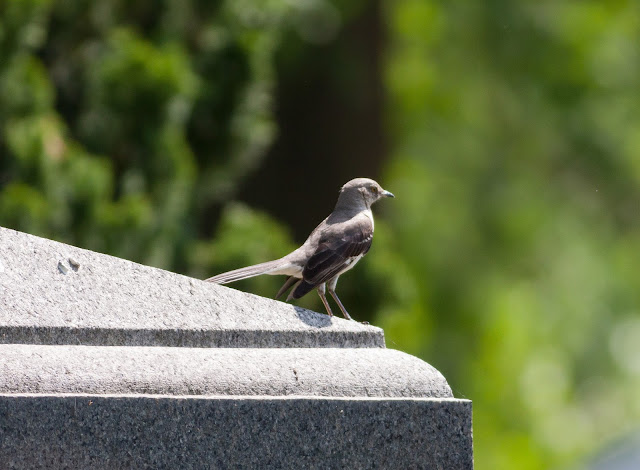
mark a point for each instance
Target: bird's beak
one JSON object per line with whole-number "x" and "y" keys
{"x": 386, "y": 193}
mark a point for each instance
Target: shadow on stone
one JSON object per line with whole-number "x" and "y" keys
{"x": 311, "y": 318}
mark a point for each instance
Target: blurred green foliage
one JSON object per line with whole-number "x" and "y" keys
{"x": 508, "y": 259}
{"x": 122, "y": 125}
{"x": 516, "y": 170}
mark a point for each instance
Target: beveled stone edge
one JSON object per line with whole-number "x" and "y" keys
{"x": 189, "y": 338}
{"x": 339, "y": 372}
{"x": 444, "y": 400}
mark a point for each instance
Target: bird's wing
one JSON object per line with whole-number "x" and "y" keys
{"x": 334, "y": 254}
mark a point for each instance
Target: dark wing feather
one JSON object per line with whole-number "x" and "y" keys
{"x": 333, "y": 255}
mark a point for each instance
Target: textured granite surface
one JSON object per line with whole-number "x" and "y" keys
{"x": 107, "y": 364}
{"x": 97, "y": 432}
{"x": 337, "y": 372}
{"x": 52, "y": 293}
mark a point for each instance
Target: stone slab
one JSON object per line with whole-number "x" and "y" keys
{"x": 91, "y": 376}
{"x": 337, "y": 372}
{"x": 102, "y": 432}
{"x": 52, "y": 293}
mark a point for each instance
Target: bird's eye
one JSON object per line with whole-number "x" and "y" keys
{"x": 373, "y": 189}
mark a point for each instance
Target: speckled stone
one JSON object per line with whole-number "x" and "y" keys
{"x": 336, "y": 372}
{"x": 107, "y": 364}
{"x": 52, "y": 293}
{"x": 94, "y": 432}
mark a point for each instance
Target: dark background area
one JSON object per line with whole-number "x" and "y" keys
{"x": 330, "y": 119}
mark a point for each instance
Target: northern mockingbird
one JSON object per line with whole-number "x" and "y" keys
{"x": 334, "y": 246}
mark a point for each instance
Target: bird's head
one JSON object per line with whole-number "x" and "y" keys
{"x": 364, "y": 188}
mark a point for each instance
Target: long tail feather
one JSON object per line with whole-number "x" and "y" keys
{"x": 289, "y": 282}
{"x": 250, "y": 271}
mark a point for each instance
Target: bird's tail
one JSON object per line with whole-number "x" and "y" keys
{"x": 302, "y": 288}
{"x": 270, "y": 267}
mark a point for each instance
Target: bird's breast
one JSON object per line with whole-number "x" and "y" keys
{"x": 369, "y": 215}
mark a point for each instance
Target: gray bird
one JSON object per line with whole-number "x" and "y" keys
{"x": 334, "y": 246}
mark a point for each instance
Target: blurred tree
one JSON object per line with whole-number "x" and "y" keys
{"x": 330, "y": 103}
{"x": 127, "y": 128}
{"x": 123, "y": 127}
{"x": 515, "y": 135}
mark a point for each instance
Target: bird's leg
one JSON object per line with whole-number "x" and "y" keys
{"x": 324, "y": 299}
{"x": 332, "y": 291}
{"x": 344, "y": 310}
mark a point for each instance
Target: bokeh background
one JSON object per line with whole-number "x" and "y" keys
{"x": 201, "y": 136}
